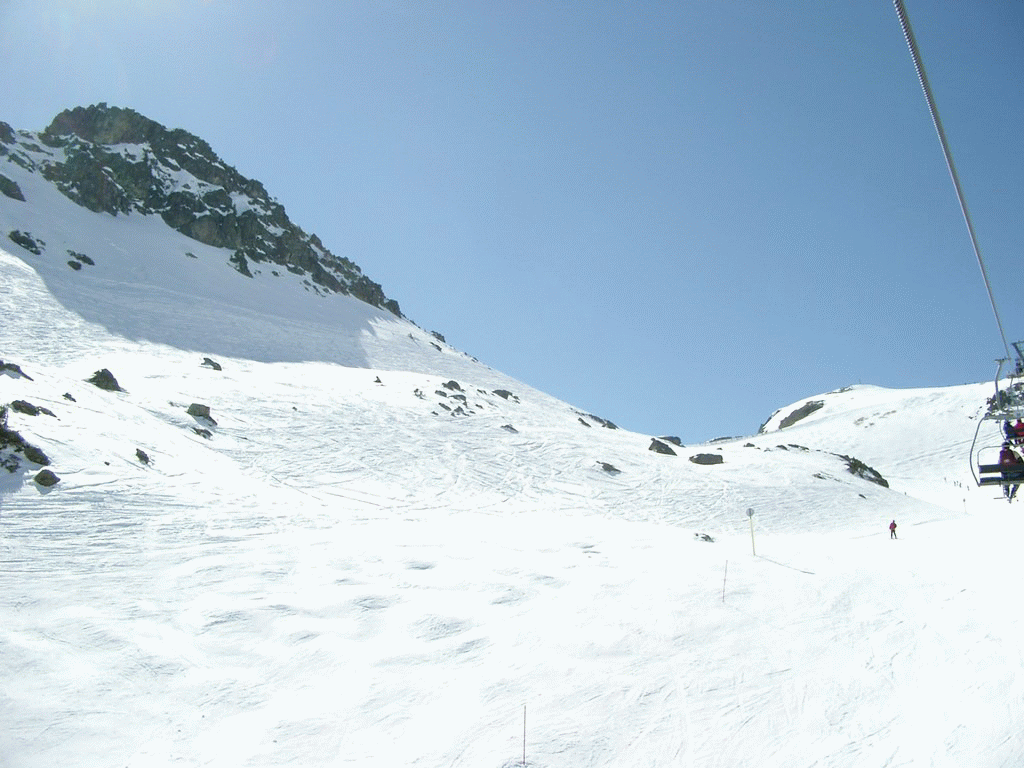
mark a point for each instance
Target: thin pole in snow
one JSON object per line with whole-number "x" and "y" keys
{"x": 724, "y": 578}
{"x": 524, "y": 736}
{"x": 753, "y": 547}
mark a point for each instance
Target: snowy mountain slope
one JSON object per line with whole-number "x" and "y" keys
{"x": 191, "y": 297}
{"x": 343, "y": 422}
{"x": 347, "y": 569}
{"x": 919, "y": 439}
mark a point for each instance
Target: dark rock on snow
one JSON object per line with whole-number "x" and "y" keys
{"x": 23, "y": 406}
{"x": 802, "y": 412}
{"x": 862, "y": 470}
{"x": 707, "y": 458}
{"x": 46, "y": 478}
{"x": 104, "y": 379}
{"x": 659, "y": 447}
{"x": 26, "y": 241}
{"x": 12, "y": 442}
{"x": 11, "y": 189}
{"x": 13, "y": 370}
{"x": 200, "y": 411}
{"x": 603, "y": 422}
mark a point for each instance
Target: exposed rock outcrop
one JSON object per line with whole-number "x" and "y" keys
{"x": 802, "y": 412}
{"x": 863, "y": 471}
{"x": 13, "y": 370}
{"x": 201, "y": 412}
{"x": 23, "y": 406}
{"x": 27, "y": 241}
{"x": 597, "y": 419}
{"x": 13, "y": 446}
{"x": 11, "y": 189}
{"x": 46, "y": 478}
{"x": 117, "y": 161}
{"x": 659, "y": 447}
{"x": 707, "y": 459}
{"x": 104, "y": 379}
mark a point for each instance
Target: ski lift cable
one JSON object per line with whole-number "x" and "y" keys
{"x": 908, "y": 33}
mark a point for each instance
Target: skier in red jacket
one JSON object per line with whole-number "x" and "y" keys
{"x": 892, "y": 530}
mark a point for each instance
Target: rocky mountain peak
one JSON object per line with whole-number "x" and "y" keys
{"x": 101, "y": 124}
{"x": 117, "y": 161}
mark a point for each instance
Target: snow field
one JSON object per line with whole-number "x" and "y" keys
{"x": 246, "y": 641}
{"x": 343, "y": 573}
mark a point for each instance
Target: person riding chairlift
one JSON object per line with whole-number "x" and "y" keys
{"x": 1013, "y": 469}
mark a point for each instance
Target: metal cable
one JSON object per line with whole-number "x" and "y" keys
{"x": 919, "y": 66}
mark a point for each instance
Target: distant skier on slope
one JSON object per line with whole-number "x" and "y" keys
{"x": 892, "y": 530}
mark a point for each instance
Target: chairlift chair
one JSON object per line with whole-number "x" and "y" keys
{"x": 1006, "y": 405}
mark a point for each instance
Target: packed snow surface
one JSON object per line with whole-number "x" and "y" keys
{"x": 380, "y": 552}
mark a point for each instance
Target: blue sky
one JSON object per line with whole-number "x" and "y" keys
{"x": 677, "y": 216}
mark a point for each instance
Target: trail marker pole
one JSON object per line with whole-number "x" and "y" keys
{"x": 724, "y": 578}
{"x": 524, "y": 736}
{"x": 753, "y": 546}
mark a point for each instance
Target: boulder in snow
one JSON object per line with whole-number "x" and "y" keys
{"x": 200, "y": 411}
{"x": 707, "y": 458}
{"x": 659, "y": 447}
{"x": 104, "y": 379}
{"x": 46, "y": 478}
